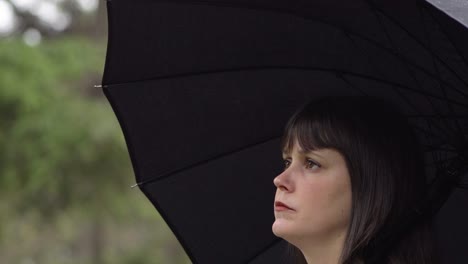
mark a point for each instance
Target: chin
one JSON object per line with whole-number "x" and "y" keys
{"x": 281, "y": 228}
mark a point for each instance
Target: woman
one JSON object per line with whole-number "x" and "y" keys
{"x": 354, "y": 172}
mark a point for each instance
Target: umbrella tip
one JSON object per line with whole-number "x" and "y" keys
{"x": 135, "y": 185}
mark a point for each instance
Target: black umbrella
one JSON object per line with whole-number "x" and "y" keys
{"x": 203, "y": 89}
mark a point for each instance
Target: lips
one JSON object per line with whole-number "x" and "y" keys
{"x": 279, "y": 206}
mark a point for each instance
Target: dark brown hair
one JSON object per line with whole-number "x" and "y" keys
{"x": 386, "y": 166}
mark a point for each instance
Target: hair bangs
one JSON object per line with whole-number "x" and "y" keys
{"x": 309, "y": 133}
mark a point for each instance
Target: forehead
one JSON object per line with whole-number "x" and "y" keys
{"x": 297, "y": 148}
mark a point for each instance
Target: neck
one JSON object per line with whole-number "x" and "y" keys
{"x": 325, "y": 251}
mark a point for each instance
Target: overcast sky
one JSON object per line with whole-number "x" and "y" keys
{"x": 50, "y": 14}
{"x": 47, "y": 10}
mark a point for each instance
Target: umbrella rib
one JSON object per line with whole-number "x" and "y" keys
{"x": 401, "y": 86}
{"x": 435, "y": 154}
{"x": 426, "y": 119}
{"x": 450, "y": 107}
{"x": 401, "y": 57}
{"x": 305, "y": 17}
{"x": 464, "y": 59}
{"x": 418, "y": 41}
{"x": 418, "y": 83}
{"x": 406, "y": 99}
{"x": 424, "y": 131}
{"x": 168, "y": 174}
{"x": 380, "y": 23}
{"x": 392, "y": 43}
{"x": 290, "y": 12}
{"x": 351, "y": 85}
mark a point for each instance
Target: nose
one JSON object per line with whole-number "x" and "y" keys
{"x": 283, "y": 181}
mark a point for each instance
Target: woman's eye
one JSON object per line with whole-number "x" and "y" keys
{"x": 311, "y": 163}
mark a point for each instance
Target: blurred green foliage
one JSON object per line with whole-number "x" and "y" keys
{"x": 56, "y": 143}
{"x": 65, "y": 171}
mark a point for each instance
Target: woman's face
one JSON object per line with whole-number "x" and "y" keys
{"x": 317, "y": 188}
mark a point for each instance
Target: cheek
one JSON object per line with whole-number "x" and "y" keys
{"x": 328, "y": 202}
{"x": 319, "y": 197}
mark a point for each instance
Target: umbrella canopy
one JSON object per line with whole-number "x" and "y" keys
{"x": 203, "y": 89}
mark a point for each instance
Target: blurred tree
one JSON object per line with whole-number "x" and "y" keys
{"x": 33, "y": 97}
{"x": 62, "y": 157}
{"x": 64, "y": 164}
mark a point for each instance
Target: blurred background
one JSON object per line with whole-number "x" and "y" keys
{"x": 65, "y": 173}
